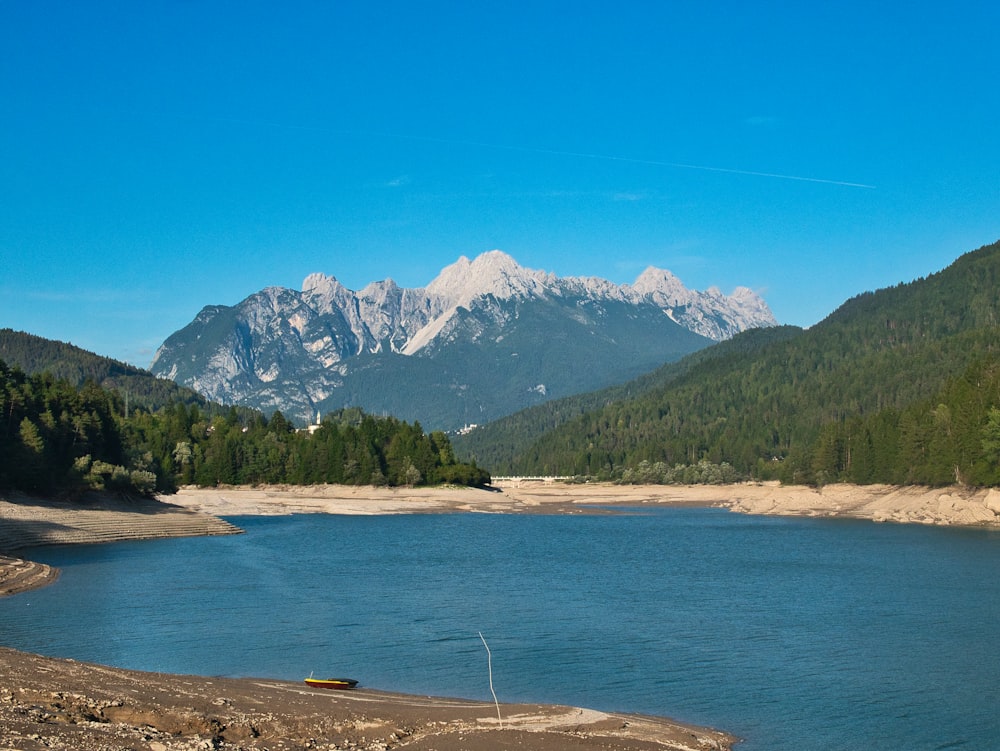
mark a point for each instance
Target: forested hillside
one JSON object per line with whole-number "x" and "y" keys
{"x": 56, "y": 438}
{"x": 498, "y": 444}
{"x": 35, "y": 354}
{"x": 896, "y": 386}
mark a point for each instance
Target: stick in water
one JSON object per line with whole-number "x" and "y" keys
{"x": 489, "y": 662}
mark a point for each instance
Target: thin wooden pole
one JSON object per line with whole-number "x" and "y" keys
{"x": 489, "y": 662}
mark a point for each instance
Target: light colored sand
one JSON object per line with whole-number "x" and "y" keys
{"x": 881, "y": 503}
{"x": 334, "y": 499}
{"x": 912, "y": 504}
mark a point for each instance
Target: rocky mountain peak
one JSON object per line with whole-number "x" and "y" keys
{"x": 662, "y": 286}
{"x": 491, "y": 273}
{"x": 317, "y": 280}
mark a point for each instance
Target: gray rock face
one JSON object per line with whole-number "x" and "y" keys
{"x": 420, "y": 353}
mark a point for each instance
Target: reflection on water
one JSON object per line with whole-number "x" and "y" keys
{"x": 795, "y": 634}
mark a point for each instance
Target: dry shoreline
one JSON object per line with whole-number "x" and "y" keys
{"x": 881, "y": 503}
{"x": 52, "y": 703}
{"x": 64, "y": 705}
{"x": 61, "y": 704}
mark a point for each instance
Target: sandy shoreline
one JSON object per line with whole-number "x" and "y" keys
{"x": 51, "y": 703}
{"x": 198, "y": 511}
{"x": 880, "y": 503}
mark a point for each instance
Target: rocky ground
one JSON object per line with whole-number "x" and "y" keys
{"x": 61, "y": 705}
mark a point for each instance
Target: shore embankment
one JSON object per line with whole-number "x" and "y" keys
{"x": 31, "y": 522}
{"x": 26, "y": 522}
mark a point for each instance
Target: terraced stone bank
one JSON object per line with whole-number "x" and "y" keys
{"x": 27, "y": 523}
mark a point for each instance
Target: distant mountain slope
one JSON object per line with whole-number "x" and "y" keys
{"x": 499, "y": 444}
{"x": 766, "y": 411}
{"x": 485, "y": 338}
{"x": 35, "y": 354}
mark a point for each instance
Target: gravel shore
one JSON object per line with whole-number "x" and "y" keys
{"x": 63, "y": 705}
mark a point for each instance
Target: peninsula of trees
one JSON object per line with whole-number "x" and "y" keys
{"x": 57, "y": 437}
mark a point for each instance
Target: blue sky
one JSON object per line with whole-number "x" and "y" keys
{"x": 156, "y": 157}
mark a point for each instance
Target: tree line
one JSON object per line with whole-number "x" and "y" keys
{"x": 56, "y": 437}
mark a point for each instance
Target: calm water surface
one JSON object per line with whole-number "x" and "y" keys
{"x": 793, "y": 634}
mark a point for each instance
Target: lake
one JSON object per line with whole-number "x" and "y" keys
{"x": 791, "y": 633}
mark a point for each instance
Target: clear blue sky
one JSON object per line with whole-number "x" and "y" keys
{"x": 156, "y": 157}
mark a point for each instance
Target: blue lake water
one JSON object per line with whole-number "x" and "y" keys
{"x": 791, "y": 633}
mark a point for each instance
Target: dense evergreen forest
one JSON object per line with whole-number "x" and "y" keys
{"x": 896, "y": 386}
{"x": 500, "y": 443}
{"x": 56, "y": 437}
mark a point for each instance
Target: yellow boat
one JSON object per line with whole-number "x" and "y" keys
{"x": 341, "y": 683}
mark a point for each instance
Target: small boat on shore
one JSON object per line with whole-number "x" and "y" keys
{"x": 338, "y": 683}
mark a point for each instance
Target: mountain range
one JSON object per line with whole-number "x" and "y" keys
{"x": 485, "y": 338}
{"x": 898, "y": 386}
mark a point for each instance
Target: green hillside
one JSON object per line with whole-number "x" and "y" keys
{"x": 895, "y": 386}
{"x": 498, "y": 444}
{"x": 34, "y": 354}
{"x": 74, "y": 422}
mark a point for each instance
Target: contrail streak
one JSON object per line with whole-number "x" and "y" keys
{"x": 633, "y": 160}
{"x": 534, "y": 150}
